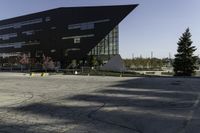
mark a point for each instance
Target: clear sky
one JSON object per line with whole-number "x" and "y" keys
{"x": 154, "y": 26}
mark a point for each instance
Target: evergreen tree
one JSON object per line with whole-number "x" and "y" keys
{"x": 184, "y": 63}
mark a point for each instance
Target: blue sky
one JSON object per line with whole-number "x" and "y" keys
{"x": 155, "y": 26}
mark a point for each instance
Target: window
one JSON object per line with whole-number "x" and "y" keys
{"x": 10, "y": 54}
{"x": 14, "y": 45}
{"x": 82, "y": 26}
{"x": 8, "y": 36}
{"x": 66, "y": 51}
{"x": 47, "y": 19}
{"x": 20, "y": 24}
{"x": 74, "y": 26}
{"x": 18, "y": 44}
{"x": 73, "y": 49}
{"x": 87, "y": 25}
{"x": 77, "y": 40}
{"x": 36, "y": 42}
{"x": 28, "y": 33}
{"x": 53, "y": 28}
{"x": 53, "y": 51}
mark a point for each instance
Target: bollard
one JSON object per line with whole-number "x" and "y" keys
{"x": 43, "y": 74}
{"x": 31, "y": 74}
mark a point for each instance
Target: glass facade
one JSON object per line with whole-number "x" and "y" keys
{"x": 108, "y": 47}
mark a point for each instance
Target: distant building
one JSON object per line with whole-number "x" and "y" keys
{"x": 64, "y": 35}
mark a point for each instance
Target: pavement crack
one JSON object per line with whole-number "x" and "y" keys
{"x": 92, "y": 113}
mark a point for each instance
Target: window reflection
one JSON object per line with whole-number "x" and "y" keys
{"x": 20, "y": 24}
{"x": 8, "y": 36}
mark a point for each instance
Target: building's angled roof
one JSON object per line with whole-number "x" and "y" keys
{"x": 131, "y": 6}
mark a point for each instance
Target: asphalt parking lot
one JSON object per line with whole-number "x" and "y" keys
{"x": 88, "y": 104}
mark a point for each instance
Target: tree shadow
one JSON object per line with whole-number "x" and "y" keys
{"x": 25, "y": 128}
{"x": 134, "y": 105}
{"x": 155, "y": 83}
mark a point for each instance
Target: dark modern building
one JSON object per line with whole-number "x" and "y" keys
{"x": 63, "y": 35}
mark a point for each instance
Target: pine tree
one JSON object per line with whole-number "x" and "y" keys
{"x": 184, "y": 63}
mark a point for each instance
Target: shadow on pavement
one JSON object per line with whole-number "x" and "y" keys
{"x": 140, "y": 105}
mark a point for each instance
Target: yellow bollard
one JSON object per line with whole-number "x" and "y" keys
{"x": 42, "y": 74}
{"x": 31, "y": 74}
